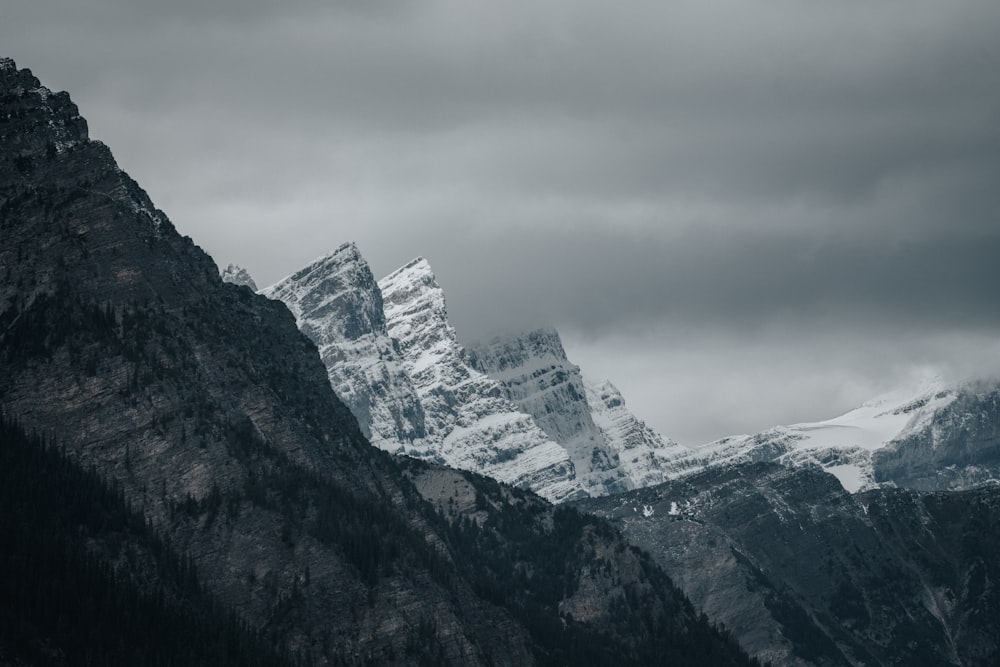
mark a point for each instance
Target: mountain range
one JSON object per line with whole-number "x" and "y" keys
{"x": 321, "y": 473}
{"x": 740, "y": 522}
{"x": 796, "y": 538}
{"x": 514, "y": 408}
{"x": 551, "y": 430}
{"x": 202, "y": 408}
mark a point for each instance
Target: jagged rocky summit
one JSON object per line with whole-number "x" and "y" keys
{"x": 337, "y": 304}
{"x": 394, "y": 359}
{"x": 514, "y": 408}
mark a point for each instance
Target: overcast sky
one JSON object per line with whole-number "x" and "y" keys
{"x": 743, "y": 212}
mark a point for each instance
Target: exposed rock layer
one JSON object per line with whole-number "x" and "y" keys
{"x": 534, "y": 372}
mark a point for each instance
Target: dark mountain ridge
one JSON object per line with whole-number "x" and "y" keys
{"x": 804, "y": 573}
{"x": 213, "y": 415}
{"x": 85, "y": 580}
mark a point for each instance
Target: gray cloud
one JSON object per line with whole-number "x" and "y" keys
{"x": 740, "y": 177}
{"x": 602, "y": 282}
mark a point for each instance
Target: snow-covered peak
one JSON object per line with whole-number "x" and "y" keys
{"x": 417, "y": 315}
{"x": 237, "y": 275}
{"x": 394, "y": 359}
{"x": 322, "y": 268}
{"x": 338, "y": 305}
{"x": 413, "y": 279}
{"x": 335, "y": 298}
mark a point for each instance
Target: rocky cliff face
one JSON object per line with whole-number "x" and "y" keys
{"x": 644, "y": 455}
{"x": 338, "y": 305}
{"x": 214, "y": 417}
{"x": 470, "y": 422}
{"x": 611, "y": 448}
{"x": 804, "y": 573}
{"x": 534, "y": 372}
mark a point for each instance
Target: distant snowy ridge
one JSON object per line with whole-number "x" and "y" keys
{"x": 842, "y": 446}
{"x": 935, "y": 436}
